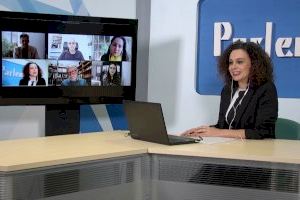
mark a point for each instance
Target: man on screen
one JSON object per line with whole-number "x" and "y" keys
{"x": 73, "y": 79}
{"x": 71, "y": 51}
{"x": 26, "y": 50}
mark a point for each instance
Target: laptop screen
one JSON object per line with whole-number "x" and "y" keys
{"x": 146, "y": 121}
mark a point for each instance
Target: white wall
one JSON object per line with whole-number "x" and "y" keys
{"x": 29, "y": 121}
{"x": 112, "y": 8}
{"x": 21, "y": 121}
{"x": 171, "y": 75}
{"x": 172, "y": 67}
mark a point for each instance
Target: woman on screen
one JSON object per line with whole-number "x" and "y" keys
{"x": 32, "y": 75}
{"x": 249, "y": 104}
{"x": 111, "y": 77}
{"x": 117, "y": 50}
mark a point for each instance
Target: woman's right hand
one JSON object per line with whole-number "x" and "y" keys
{"x": 190, "y": 132}
{"x": 104, "y": 76}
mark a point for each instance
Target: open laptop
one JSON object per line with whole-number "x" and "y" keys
{"x": 146, "y": 122}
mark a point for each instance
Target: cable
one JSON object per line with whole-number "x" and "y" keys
{"x": 232, "y": 101}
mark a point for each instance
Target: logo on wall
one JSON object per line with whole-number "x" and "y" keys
{"x": 273, "y": 25}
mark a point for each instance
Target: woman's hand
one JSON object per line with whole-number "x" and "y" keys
{"x": 203, "y": 131}
{"x": 104, "y": 77}
{"x": 207, "y": 131}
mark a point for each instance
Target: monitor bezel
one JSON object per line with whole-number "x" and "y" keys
{"x": 68, "y": 24}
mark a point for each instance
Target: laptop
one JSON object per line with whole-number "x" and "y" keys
{"x": 146, "y": 122}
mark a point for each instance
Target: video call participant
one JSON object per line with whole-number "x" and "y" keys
{"x": 32, "y": 75}
{"x": 116, "y": 51}
{"x": 73, "y": 79}
{"x": 25, "y": 51}
{"x": 72, "y": 52}
{"x": 249, "y": 103}
{"x": 111, "y": 77}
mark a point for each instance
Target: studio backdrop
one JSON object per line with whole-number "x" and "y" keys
{"x": 275, "y": 25}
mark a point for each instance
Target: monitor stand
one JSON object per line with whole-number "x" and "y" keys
{"x": 62, "y": 119}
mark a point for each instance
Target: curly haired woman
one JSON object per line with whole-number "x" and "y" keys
{"x": 32, "y": 75}
{"x": 249, "y": 103}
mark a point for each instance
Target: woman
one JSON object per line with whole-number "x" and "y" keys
{"x": 249, "y": 104}
{"x": 112, "y": 77}
{"x": 32, "y": 75}
{"x": 116, "y": 50}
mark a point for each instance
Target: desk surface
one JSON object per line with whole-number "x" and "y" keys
{"x": 48, "y": 151}
{"x": 55, "y": 150}
{"x": 269, "y": 150}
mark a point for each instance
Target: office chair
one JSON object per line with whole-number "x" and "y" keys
{"x": 287, "y": 129}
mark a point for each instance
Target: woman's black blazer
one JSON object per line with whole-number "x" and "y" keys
{"x": 24, "y": 81}
{"x": 257, "y": 113}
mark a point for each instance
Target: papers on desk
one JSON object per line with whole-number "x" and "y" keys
{"x": 216, "y": 140}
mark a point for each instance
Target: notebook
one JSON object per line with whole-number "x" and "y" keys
{"x": 146, "y": 122}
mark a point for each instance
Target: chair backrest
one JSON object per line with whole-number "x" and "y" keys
{"x": 287, "y": 129}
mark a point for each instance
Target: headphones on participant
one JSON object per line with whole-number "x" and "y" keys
{"x": 233, "y": 98}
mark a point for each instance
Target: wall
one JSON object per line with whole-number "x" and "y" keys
{"x": 171, "y": 60}
{"x": 29, "y": 121}
{"x": 172, "y": 75}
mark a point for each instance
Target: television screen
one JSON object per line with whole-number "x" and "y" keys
{"x": 50, "y": 59}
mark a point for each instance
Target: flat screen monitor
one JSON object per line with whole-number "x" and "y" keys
{"x": 55, "y": 59}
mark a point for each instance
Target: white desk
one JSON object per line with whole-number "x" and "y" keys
{"x": 140, "y": 170}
